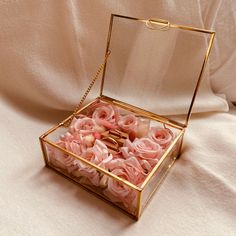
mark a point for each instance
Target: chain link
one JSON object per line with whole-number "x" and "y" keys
{"x": 77, "y": 108}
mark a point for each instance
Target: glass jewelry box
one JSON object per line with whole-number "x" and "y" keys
{"x": 121, "y": 145}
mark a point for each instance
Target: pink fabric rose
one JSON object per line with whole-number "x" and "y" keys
{"x": 72, "y": 143}
{"x": 131, "y": 166}
{"x": 89, "y": 175}
{"x": 135, "y": 127}
{"x": 84, "y": 125}
{"x": 98, "y": 155}
{"x": 75, "y": 147}
{"x": 129, "y": 170}
{"x": 60, "y": 159}
{"x": 69, "y": 137}
{"x": 85, "y": 130}
{"x": 129, "y": 124}
{"x": 145, "y": 150}
{"x": 106, "y": 116}
{"x": 161, "y": 136}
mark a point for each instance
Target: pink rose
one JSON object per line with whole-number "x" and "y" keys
{"x": 98, "y": 155}
{"x": 84, "y": 126}
{"x": 89, "y": 175}
{"x": 85, "y": 130}
{"x": 60, "y": 159}
{"x": 161, "y": 136}
{"x": 74, "y": 142}
{"x": 86, "y": 140}
{"x": 129, "y": 170}
{"x": 75, "y": 147}
{"x": 106, "y": 116}
{"x": 135, "y": 127}
{"x": 145, "y": 150}
{"x": 69, "y": 137}
{"x": 128, "y": 123}
{"x": 131, "y": 166}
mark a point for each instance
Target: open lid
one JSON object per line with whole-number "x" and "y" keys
{"x": 155, "y": 65}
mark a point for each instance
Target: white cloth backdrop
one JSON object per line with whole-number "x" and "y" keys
{"x": 49, "y": 50}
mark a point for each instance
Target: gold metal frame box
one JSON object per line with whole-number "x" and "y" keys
{"x": 146, "y": 77}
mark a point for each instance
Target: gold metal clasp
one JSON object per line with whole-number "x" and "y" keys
{"x": 157, "y": 24}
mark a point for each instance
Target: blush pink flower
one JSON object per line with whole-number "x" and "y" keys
{"x": 128, "y": 123}
{"x": 161, "y": 136}
{"x": 129, "y": 170}
{"x": 131, "y": 166}
{"x": 60, "y": 159}
{"x": 75, "y": 147}
{"x": 67, "y": 137}
{"x": 84, "y": 130}
{"x": 106, "y": 116}
{"x": 88, "y": 175}
{"x": 145, "y": 150}
{"x": 73, "y": 143}
{"x": 98, "y": 155}
{"x": 84, "y": 126}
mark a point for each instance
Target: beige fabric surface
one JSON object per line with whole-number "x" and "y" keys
{"x": 49, "y": 51}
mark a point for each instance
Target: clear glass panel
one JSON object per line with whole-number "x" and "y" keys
{"x": 154, "y": 69}
{"x": 158, "y": 176}
{"x": 91, "y": 178}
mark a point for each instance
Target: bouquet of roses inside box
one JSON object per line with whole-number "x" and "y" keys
{"x": 119, "y": 142}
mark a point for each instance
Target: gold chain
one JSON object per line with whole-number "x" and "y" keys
{"x": 77, "y": 108}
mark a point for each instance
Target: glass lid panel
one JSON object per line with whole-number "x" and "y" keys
{"x": 153, "y": 66}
